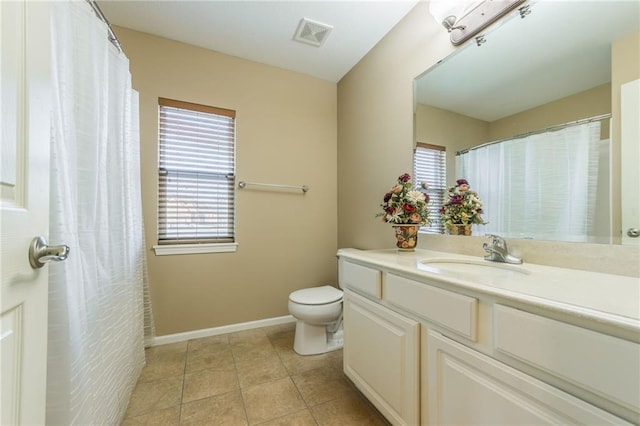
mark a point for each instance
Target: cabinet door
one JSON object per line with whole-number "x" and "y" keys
{"x": 466, "y": 387}
{"x": 381, "y": 357}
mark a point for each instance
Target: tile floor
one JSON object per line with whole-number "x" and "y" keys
{"x": 246, "y": 378}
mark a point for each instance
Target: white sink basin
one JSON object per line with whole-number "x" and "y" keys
{"x": 455, "y": 266}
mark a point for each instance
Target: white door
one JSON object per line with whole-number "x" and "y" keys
{"x": 630, "y": 164}
{"x": 24, "y": 207}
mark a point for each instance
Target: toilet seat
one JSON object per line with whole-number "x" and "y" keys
{"x": 316, "y": 295}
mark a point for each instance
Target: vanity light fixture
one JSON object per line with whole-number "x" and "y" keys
{"x": 462, "y": 26}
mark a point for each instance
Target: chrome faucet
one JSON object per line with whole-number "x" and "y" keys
{"x": 498, "y": 252}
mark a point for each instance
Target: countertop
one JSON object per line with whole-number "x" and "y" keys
{"x": 605, "y": 298}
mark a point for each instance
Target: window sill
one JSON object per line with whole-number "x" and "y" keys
{"x": 167, "y": 250}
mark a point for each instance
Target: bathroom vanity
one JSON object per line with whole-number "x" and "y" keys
{"x": 437, "y": 338}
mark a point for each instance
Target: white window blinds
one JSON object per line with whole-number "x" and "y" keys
{"x": 196, "y": 173}
{"x": 429, "y": 166}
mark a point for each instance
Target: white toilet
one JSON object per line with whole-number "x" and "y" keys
{"x": 319, "y": 314}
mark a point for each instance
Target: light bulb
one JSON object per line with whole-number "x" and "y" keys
{"x": 447, "y": 12}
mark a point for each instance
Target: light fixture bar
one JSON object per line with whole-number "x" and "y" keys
{"x": 480, "y": 18}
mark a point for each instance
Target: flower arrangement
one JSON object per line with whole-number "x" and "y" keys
{"x": 463, "y": 206}
{"x": 404, "y": 204}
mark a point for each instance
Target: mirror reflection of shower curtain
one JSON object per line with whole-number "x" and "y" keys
{"x": 543, "y": 186}
{"x": 96, "y": 330}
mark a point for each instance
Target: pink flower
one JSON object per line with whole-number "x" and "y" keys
{"x": 456, "y": 199}
{"x": 404, "y": 178}
{"x": 397, "y": 189}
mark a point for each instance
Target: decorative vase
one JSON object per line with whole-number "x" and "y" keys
{"x": 460, "y": 230}
{"x": 406, "y": 236}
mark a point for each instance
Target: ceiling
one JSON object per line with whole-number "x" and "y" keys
{"x": 263, "y": 31}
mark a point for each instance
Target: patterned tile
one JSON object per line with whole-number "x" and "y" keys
{"x": 224, "y": 409}
{"x": 350, "y": 410}
{"x": 301, "y": 418}
{"x": 322, "y": 385}
{"x": 166, "y": 417}
{"x": 209, "y": 357}
{"x": 271, "y": 400}
{"x": 161, "y": 364}
{"x": 155, "y": 395}
{"x": 260, "y": 370}
{"x": 251, "y": 377}
{"x": 206, "y": 383}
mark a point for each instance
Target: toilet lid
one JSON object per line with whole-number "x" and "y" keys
{"x": 316, "y": 295}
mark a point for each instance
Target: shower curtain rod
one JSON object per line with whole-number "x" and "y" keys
{"x": 112, "y": 36}
{"x": 535, "y": 132}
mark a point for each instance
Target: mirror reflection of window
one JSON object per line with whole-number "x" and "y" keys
{"x": 429, "y": 170}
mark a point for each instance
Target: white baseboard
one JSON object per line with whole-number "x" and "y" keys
{"x": 197, "y": 334}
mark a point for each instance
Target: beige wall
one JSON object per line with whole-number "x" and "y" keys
{"x": 455, "y": 132}
{"x": 375, "y": 110}
{"x": 375, "y": 124}
{"x": 590, "y": 103}
{"x": 286, "y": 133}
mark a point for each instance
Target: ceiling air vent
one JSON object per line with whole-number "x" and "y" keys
{"x": 312, "y": 32}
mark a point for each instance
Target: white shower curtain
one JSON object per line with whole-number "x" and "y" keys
{"x": 96, "y": 318}
{"x": 542, "y": 186}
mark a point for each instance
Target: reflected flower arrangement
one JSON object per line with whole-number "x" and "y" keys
{"x": 463, "y": 206}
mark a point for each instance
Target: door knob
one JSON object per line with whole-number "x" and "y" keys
{"x": 41, "y": 253}
{"x": 633, "y": 232}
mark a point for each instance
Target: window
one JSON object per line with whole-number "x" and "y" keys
{"x": 429, "y": 166}
{"x": 196, "y": 178}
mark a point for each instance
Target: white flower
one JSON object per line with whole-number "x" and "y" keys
{"x": 396, "y": 216}
{"x": 415, "y": 196}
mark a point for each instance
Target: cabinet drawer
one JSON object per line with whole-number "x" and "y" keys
{"x": 454, "y": 311}
{"x": 361, "y": 279}
{"x": 605, "y": 365}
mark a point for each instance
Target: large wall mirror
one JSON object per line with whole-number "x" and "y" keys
{"x": 535, "y": 85}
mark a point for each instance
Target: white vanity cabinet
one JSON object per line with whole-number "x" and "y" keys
{"x": 466, "y": 387}
{"x": 381, "y": 357}
{"x": 426, "y": 351}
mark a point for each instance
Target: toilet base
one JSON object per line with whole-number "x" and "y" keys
{"x": 314, "y": 339}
